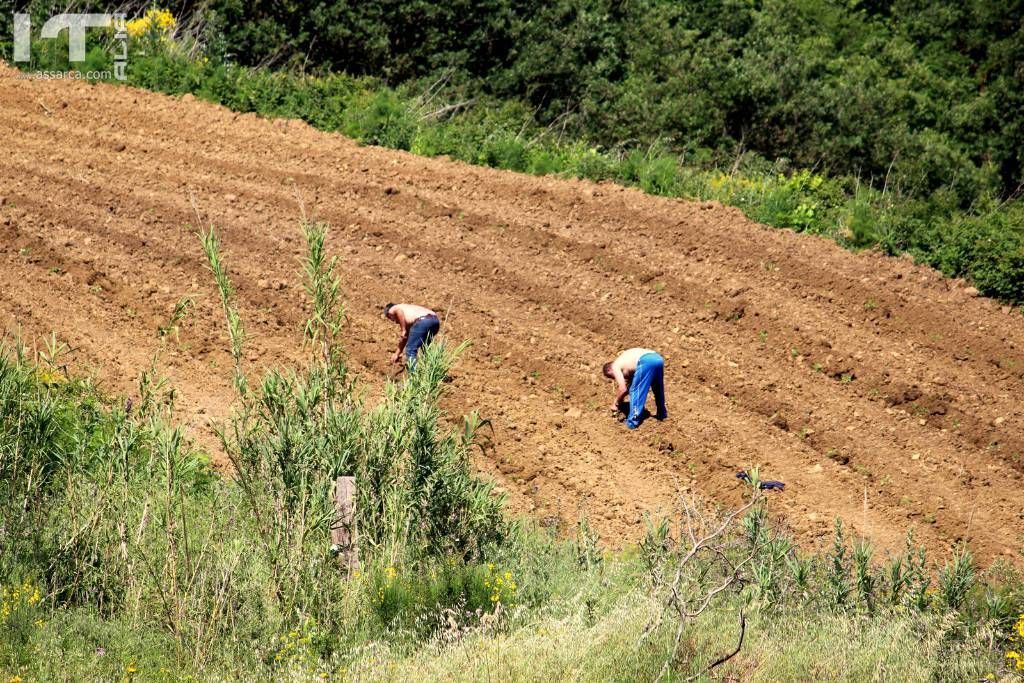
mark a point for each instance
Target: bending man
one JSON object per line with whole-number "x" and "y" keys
{"x": 635, "y": 372}
{"x": 419, "y": 325}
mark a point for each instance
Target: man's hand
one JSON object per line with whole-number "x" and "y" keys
{"x": 397, "y": 358}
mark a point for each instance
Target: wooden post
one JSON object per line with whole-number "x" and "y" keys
{"x": 343, "y": 528}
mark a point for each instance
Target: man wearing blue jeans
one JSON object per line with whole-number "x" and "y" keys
{"x": 636, "y": 371}
{"x": 419, "y": 325}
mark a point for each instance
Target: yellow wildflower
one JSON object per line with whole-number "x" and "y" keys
{"x": 49, "y": 377}
{"x": 159, "y": 20}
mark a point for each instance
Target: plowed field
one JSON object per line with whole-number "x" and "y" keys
{"x": 875, "y": 389}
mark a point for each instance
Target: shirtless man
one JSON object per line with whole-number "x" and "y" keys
{"x": 635, "y": 372}
{"x": 419, "y": 325}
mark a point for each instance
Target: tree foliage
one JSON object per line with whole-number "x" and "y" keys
{"x": 915, "y": 95}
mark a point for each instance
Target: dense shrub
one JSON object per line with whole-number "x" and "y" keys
{"x": 919, "y": 96}
{"x": 910, "y": 94}
{"x": 379, "y": 118}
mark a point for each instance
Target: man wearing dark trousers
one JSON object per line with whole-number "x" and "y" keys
{"x": 419, "y": 326}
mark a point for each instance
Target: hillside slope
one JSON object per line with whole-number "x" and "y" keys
{"x": 877, "y": 390}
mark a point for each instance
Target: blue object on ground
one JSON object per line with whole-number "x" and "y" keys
{"x": 649, "y": 374}
{"x": 766, "y": 485}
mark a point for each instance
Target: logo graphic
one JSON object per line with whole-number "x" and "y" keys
{"x": 76, "y": 25}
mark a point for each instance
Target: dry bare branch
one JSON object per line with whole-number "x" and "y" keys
{"x": 706, "y": 547}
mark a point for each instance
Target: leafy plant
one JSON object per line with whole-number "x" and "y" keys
{"x": 837, "y": 578}
{"x": 957, "y": 579}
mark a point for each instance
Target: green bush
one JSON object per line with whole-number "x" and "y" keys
{"x": 504, "y": 151}
{"x": 659, "y": 175}
{"x": 379, "y": 118}
{"x": 987, "y": 249}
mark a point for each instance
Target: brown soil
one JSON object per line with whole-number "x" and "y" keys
{"x": 877, "y": 390}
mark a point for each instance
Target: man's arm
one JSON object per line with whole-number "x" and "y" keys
{"x": 397, "y": 358}
{"x": 621, "y": 388}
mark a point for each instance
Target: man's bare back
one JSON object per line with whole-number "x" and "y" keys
{"x": 407, "y": 314}
{"x": 627, "y": 360}
{"x": 622, "y": 369}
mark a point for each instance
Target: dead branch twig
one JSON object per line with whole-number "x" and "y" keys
{"x": 711, "y": 541}
{"x": 725, "y": 658}
{"x": 447, "y": 110}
